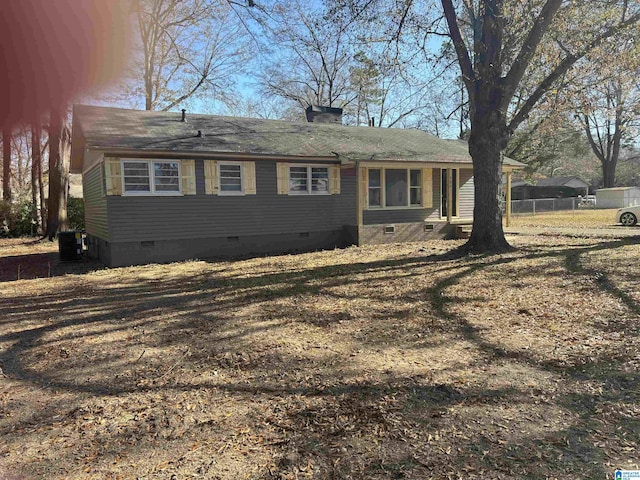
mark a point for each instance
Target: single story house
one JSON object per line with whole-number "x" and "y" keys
{"x": 618, "y": 197}
{"x": 161, "y": 186}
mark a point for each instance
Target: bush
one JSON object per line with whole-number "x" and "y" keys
{"x": 15, "y": 220}
{"x": 75, "y": 213}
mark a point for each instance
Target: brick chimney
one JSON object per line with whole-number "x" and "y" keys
{"x": 323, "y": 114}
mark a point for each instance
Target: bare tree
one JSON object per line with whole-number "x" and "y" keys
{"x": 608, "y": 106}
{"x": 309, "y": 57}
{"x": 59, "y": 156}
{"x": 498, "y": 50}
{"x": 186, "y": 49}
{"x": 491, "y": 91}
{"x": 36, "y": 168}
{"x": 6, "y": 164}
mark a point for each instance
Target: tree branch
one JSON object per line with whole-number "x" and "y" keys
{"x": 563, "y": 67}
{"x": 539, "y": 28}
{"x": 462, "y": 51}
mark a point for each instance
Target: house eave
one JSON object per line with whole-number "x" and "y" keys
{"x": 191, "y": 155}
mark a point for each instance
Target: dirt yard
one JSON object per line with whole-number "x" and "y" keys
{"x": 363, "y": 363}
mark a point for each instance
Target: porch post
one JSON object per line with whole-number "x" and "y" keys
{"x": 449, "y": 196}
{"x": 508, "y": 198}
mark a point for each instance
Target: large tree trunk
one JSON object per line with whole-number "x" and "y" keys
{"x": 489, "y": 136}
{"x": 59, "y": 147}
{"x": 609, "y": 173}
{"x": 6, "y": 164}
{"x": 36, "y": 160}
{"x": 43, "y": 200}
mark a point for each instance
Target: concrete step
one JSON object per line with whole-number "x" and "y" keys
{"x": 463, "y": 231}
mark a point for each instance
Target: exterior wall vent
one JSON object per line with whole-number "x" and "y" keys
{"x": 389, "y": 229}
{"x": 428, "y": 227}
{"x": 304, "y": 234}
{"x": 148, "y": 244}
{"x": 233, "y": 239}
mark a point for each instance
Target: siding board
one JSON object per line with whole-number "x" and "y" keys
{"x": 208, "y": 216}
{"x": 95, "y": 204}
{"x": 434, "y": 215}
{"x": 467, "y": 193}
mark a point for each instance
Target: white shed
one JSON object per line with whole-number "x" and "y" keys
{"x": 618, "y": 197}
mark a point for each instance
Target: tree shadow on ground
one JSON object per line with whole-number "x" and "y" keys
{"x": 43, "y": 265}
{"x": 315, "y": 407}
{"x": 606, "y": 385}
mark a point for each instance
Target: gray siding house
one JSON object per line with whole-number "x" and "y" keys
{"x": 161, "y": 186}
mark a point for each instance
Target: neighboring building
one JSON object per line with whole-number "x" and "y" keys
{"x": 159, "y": 186}
{"x": 618, "y": 197}
{"x": 574, "y": 182}
{"x": 553, "y": 187}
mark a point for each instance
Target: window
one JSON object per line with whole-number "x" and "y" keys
{"x": 319, "y": 179}
{"x": 230, "y": 178}
{"x": 298, "y": 180}
{"x": 136, "y": 177}
{"x": 395, "y": 185}
{"x": 375, "y": 188}
{"x": 415, "y": 187}
{"x": 150, "y": 177}
{"x": 398, "y": 187}
{"x": 166, "y": 177}
{"x": 308, "y": 180}
{"x": 454, "y": 192}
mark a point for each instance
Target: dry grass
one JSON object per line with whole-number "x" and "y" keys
{"x": 580, "y": 218}
{"x": 371, "y": 362}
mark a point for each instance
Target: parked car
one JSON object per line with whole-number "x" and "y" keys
{"x": 628, "y": 216}
{"x": 586, "y": 201}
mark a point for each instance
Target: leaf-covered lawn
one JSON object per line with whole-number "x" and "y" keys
{"x": 371, "y": 362}
{"x": 580, "y": 218}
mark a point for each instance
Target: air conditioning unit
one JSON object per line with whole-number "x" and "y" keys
{"x": 70, "y": 245}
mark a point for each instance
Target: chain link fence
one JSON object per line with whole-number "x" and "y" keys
{"x": 541, "y": 205}
{"x": 544, "y": 205}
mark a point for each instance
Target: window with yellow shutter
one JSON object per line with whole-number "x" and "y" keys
{"x": 229, "y": 178}
{"x": 151, "y": 177}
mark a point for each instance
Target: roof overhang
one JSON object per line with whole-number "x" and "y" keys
{"x": 98, "y": 152}
{"x": 83, "y": 159}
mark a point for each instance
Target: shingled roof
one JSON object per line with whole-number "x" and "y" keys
{"x": 558, "y": 181}
{"x": 115, "y": 129}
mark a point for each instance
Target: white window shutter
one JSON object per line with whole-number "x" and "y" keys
{"x": 188, "y": 170}
{"x": 211, "y": 177}
{"x": 113, "y": 176}
{"x": 249, "y": 177}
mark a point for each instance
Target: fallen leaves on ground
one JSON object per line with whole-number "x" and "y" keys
{"x": 397, "y": 361}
